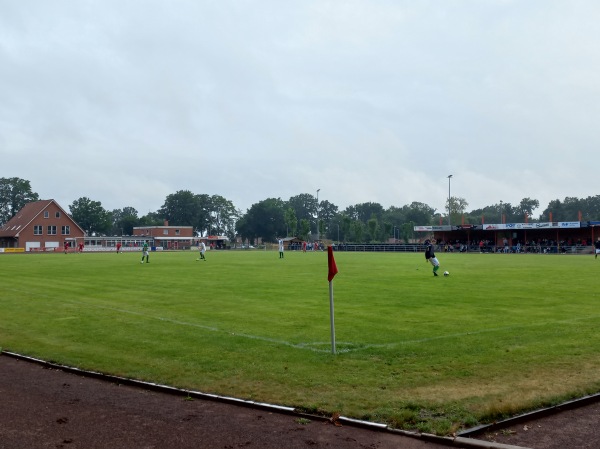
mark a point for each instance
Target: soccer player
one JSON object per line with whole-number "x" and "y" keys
{"x": 597, "y": 246}
{"x": 280, "y": 241}
{"x": 145, "y": 253}
{"x": 430, "y": 256}
{"x": 202, "y": 251}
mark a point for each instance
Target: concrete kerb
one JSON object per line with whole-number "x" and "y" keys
{"x": 461, "y": 442}
{"x": 568, "y": 405}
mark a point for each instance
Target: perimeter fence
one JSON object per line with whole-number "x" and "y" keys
{"x": 463, "y": 248}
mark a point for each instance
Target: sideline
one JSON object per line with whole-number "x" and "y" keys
{"x": 458, "y": 441}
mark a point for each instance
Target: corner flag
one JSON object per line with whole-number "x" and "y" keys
{"x": 330, "y": 275}
{"x": 331, "y": 264}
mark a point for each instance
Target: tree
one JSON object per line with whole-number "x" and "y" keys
{"x": 457, "y": 207}
{"x": 408, "y": 231}
{"x": 387, "y": 230}
{"x": 395, "y": 218}
{"x": 305, "y": 207}
{"x": 291, "y": 221}
{"x": 358, "y": 229}
{"x": 419, "y": 213}
{"x": 372, "y": 224}
{"x": 567, "y": 210}
{"x": 181, "y": 208}
{"x": 91, "y": 216}
{"x": 327, "y": 211}
{"x": 244, "y": 230}
{"x": 526, "y": 207}
{"x": 304, "y": 228}
{"x": 151, "y": 219}
{"x": 204, "y": 209}
{"x": 489, "y": 214}
{"x": 510, "y": 214}
{"x": 14, "y": 194}
{"x": 346, "y": 227}
{"x": 264, "y": 219}
{"x": 554, "y": 207}
{"x": 124, "y": 221}
{"x": 591, "y": 208}
{"x": 222, "y": 215}
{"x": 334, "y": 230}
{"x": 365, "y": 211}
{"x": 571, "y": 208}
{"x": 210, "y": 215}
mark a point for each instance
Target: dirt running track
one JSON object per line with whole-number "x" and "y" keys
{"x": 49, "y": 408}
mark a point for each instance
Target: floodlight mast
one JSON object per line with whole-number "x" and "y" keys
{"x": 318, "y": 190}
{"x": 449, "y": 210}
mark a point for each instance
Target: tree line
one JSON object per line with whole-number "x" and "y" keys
{"x": 301, "y": 215}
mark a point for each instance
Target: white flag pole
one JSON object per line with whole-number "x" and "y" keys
{"x": 331, "y": 317}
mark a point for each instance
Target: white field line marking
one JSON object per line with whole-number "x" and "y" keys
{"x": 208, "y": 328}
{"x": 341, "y": 349}
{"x": 481, "y": 331}
{"x": 199, "y": 326}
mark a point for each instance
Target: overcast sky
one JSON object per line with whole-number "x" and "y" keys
{"x": 126, "y": 102}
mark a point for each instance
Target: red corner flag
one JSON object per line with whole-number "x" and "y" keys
{"x": 331, "y": 264}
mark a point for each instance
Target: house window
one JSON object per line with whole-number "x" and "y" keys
{"x": 51, "y": 230}
{"x": 165, "y": 232}
{"x": 37, "y": 230}
{"x": 176, "y": 231}
{"x": 65, "y": 230}
{"x": 57, "y": 214}
{"x": 46, "y": 214}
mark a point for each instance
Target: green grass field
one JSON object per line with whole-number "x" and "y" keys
{"x": 502, "y": 334}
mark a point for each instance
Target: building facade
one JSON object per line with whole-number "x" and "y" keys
{"x": 40, "y": 226}
{"x": 167, "y": 237}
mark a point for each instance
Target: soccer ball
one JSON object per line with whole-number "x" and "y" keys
{"x": 446, "y": 273}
